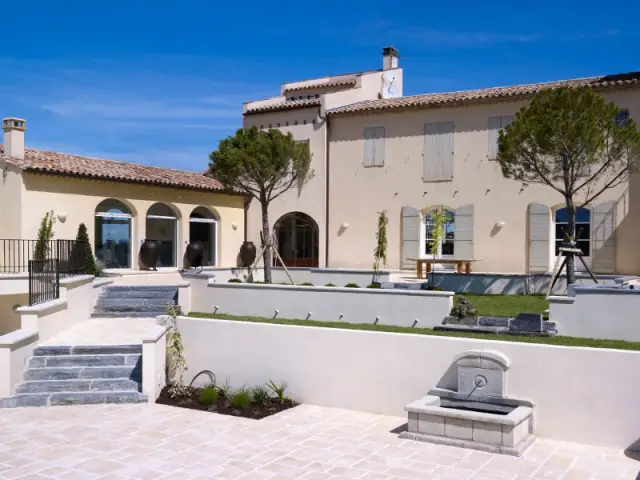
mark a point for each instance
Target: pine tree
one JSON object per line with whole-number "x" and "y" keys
{"x": 84, "y": 251}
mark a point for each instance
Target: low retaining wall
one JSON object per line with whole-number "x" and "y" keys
{"x": 15, "y": 350}
{"x": 154, "y": 354}
{"x": 508, "y": 283}
{"x": 597, "y": 312}
{"x": 581, "y": 394}
{"x": 353, "y": 305}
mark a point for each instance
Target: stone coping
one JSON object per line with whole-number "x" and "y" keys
{"x": 76, "y": 281}
{"x": 361, "y": 290}
{"x": 100, "y": 282}
{"x": 560, "y": 299}
{"x": 14, "y": 276}
{"x": 595, "y": 289}
{"x": 153, "y": 334}
{"x": 18, "y": 337}
{"x": 44, "y": 308}
{"x": 488, "y": 359}
{"x": 158, "y": 285}
{"x": 580, "y": 275}
{"x": 430, "y": 405}
{"x": 506, "y": 401}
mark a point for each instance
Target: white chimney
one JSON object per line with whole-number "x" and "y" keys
{"x": 389, "y": 58}
{"x": 14, "y": 136}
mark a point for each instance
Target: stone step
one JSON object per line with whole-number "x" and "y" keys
{"x": 124, "y": 307}
{"x": 72, "y": 398}
{"x": 78, "y": 385}
{"x": 99, "y": 314}
{"x": 68, "y": 373}
{"x": 53, "y": 350}
{"x": 109, "y": 360}
{"x": 134, "y": 302}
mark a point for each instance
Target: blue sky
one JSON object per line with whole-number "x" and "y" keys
{"x": 163, "y": 85}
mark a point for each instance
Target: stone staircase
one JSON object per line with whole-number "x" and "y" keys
{"x": 64, "y": 375}
{"x": 135, "y": 300}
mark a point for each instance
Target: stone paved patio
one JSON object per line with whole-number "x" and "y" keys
{"x": 308, "y": 442}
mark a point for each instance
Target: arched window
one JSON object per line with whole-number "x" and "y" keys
{"x": 583, "y": 229}
{"x": 203, "y": 228}
{"x": 162, "y": 226}
{"x": 113, "y": 234}
{"x": 297, "y": 238}
{"x": 445, "y": 246}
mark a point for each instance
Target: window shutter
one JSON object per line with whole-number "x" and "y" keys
{"x": 430, "y": 156}
{"x": 463, "y": 233}
{"x": 369, "y": 146}
{"x": 506, "y": 121}
{"x": 438, "y": 152}
{"x": 410, "y": 236}
{"x": 539, "y": 232}
{"x": 603, "y": 242}
{"x": 495, "y": 124}
{"x": 379, "y": 146}
{"x": 445, "y": 150}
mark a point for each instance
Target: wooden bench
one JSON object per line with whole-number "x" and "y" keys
{"x": 424, "y": 264}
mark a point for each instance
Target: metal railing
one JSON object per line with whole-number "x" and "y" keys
{"x": 44, "y": 280}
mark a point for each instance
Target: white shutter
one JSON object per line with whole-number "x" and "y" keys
{"x": 539, "y": 233}
{"x": 463, "y": 233}
{"x": 495, "y": 124}
{"x": 410, "y": 236}
{"x": 430, "y": 157}
{"x": 603, "y": 244}
{"x": 445, "y": 150}
{"x": 378, "y": 146}
{"x": 369, "y": 146}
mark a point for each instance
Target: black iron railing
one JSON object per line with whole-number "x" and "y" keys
{"x": 44, "y": 280}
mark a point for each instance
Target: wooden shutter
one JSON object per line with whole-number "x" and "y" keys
{"x": 438, "y": 152}
{"x": 463, "y": 233}
{"x": 369, "y": 146}
{"x": 410, "y": 236}
{"x": 603, "y": 244}
{"x": 506, "y": 121}
{"x": 495, "y": 124}
{"x": 539, "y": 232}
{"x": 378, "y": 146}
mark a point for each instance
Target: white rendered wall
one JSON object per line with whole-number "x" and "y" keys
{"x": 581, "y": 394}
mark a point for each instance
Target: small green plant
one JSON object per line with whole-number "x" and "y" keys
{"x": 278, "y": 390}
{"x": 329, "y": 284}
{"x": 260, "y": 395}
{"x": 352, "y": 285}
{"x": 380, "y": 252}
{"x": 259, "y": 281}
{"x": 374, "y": 285}
{"x": 438, "y": 222}
{"x": 241, "y": 398}
{"x": 209, "y": 396}
{"x": 225, "y": 388}
{"x": 176, "y": 364}
{"x": 234, "y": 280}
{"x": 45, "y": 235}
{"x": 463, "y": 308}
{"x": 307, "y": 284}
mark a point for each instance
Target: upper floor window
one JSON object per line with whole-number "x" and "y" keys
{"x": 374, "y": 146}
{"x": 495, "y": 125}
{"x": 622, "y": 117}
{"x": 438, "y": 152}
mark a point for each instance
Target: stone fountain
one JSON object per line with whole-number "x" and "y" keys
{"x": 478, "y": 414}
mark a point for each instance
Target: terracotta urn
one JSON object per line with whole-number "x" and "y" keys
{"x": 247, "y": 253}
{"x": 195, "y": 254}
{"x": 149, "y": 253}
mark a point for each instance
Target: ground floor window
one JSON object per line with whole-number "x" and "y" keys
{"x": 297, "y": 240}
{"x": 583, "y": 229}
{"x": 162, "y": 226}
{"x": 113, "y": 234}
{"x": 203, "y": 228}
{"x": 445, "y": 246}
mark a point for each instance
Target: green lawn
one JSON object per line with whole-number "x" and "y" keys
{"x": 507, "y": 305}
{"x": 557, "y": 340}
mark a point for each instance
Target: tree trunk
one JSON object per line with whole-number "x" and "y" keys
{"x": 266, "y": 240}
{"x": 571, "y": 240}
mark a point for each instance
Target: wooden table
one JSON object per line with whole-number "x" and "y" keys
{"x": 424, "y": 264}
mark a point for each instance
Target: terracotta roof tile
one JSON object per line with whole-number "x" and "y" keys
{"x": 40, "y": 161}
{"x": 285, "y": 105}
{"x": 329, "y": 83}
{"x": 470, "y": 96}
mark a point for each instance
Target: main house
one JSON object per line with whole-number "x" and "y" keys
{"x": 122, "y": 204}
{"x": 375, "y": 150}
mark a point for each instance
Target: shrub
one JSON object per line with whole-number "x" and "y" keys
{"x": 82, "y": 252}
{"x": 209, "y": 396}
{"x": 225, "y": 388}
{"x": 329, "y": 285}
{"x": 258, "y": 281}
{"x": 463, "y": 308}
{"x": 374, "y": 285}
{"x": 234, "y": 280}
{"x": 277, "y": 389}
{"x": 241, "y": 398}
{"x": 259, "y": 395}
{"x": 307, "y": 284}
{"x": 352, "y": 285}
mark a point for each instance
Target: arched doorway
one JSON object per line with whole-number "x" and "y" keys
{"x": 203, "y": 228}
{"x": 297, "y": 237}
{"x": 113, "y": 234}
{"x": 162, "y": 226}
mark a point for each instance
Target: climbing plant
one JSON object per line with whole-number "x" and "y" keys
{"x": 380, "y": 252}
{"x": 176, "y": 363}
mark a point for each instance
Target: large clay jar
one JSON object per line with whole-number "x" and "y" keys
{"x": 149, "y": 253}
{"x": 247, "y": 253}
{"x": 195, "y": 254}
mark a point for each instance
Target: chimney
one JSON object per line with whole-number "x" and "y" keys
{"x": 14, "y": 136}
{"x": 389, "y": 58}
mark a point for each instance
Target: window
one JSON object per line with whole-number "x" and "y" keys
{"x": 317, "y": 95}
{"x": 438, "y": 152}
{"x": 286, "y": 124}
{"x": 305, "y": 122}
{"x": 296, "y": 122}
{"x": 583, "y": 229}
{"x": 374, "y": 146}
{"x": 622, "y": 118}
{"x": 495, "y": 125}
{"x": 445, "y": 247}
{"x": 278, "y": 125}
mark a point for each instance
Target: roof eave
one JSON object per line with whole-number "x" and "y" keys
{"x": 279, "y": 108}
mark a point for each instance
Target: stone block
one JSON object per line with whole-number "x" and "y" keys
{"x": 527, "y": 322}
{"x": 413, "y": 422}
{"x": 489, "y": 433}
{"x": 513, "y": 435}
{"x": 493, "y": 321}
{"x": 458, "y": 428}
{"x": 481, "y": 381}
{"x": 51, "y": 350}
{"x": 431, "y": 424}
